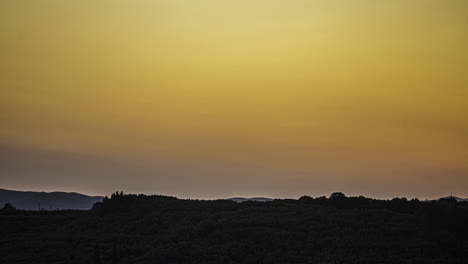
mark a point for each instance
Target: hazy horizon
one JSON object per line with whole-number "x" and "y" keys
{"x": 215, "y": 99}
{"x": 236, "y": 196}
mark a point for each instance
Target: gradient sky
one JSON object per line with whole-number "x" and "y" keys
{"x": 212, "y": 99}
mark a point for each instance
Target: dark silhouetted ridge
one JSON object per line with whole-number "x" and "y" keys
{"x": 160, "y": 229}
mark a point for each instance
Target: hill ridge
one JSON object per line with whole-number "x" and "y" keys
{"x": 36, "y": 200}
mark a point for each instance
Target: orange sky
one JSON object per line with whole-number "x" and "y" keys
{"x": 211, "y": 99}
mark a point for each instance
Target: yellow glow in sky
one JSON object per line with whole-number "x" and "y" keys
{"x": 217, "y": 98}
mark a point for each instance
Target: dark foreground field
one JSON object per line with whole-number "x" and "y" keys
{"x": 158, "y": 229}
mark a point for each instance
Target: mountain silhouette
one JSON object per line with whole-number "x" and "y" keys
{"x": 25, "y": 200}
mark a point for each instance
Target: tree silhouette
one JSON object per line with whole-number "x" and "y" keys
{"x": 337, "y": 196}
{"x": 9, "y": 207}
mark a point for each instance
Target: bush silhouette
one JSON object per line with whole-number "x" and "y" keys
{"x": 9, "y": 207}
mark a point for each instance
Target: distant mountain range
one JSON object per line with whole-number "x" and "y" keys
{"x": 48, "y": 201}
{"x": 25, "y": 200}
{"x": 256, "y": 199}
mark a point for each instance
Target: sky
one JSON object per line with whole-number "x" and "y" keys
{"x": 213, "y": 99}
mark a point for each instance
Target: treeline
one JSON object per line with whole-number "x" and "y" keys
{"x": 127, "y": 228}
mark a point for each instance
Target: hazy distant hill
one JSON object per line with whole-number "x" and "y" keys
{"x": 257, "y": 199}
{"x": 49, "y": 201}
{"x": 456, "y": 198}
